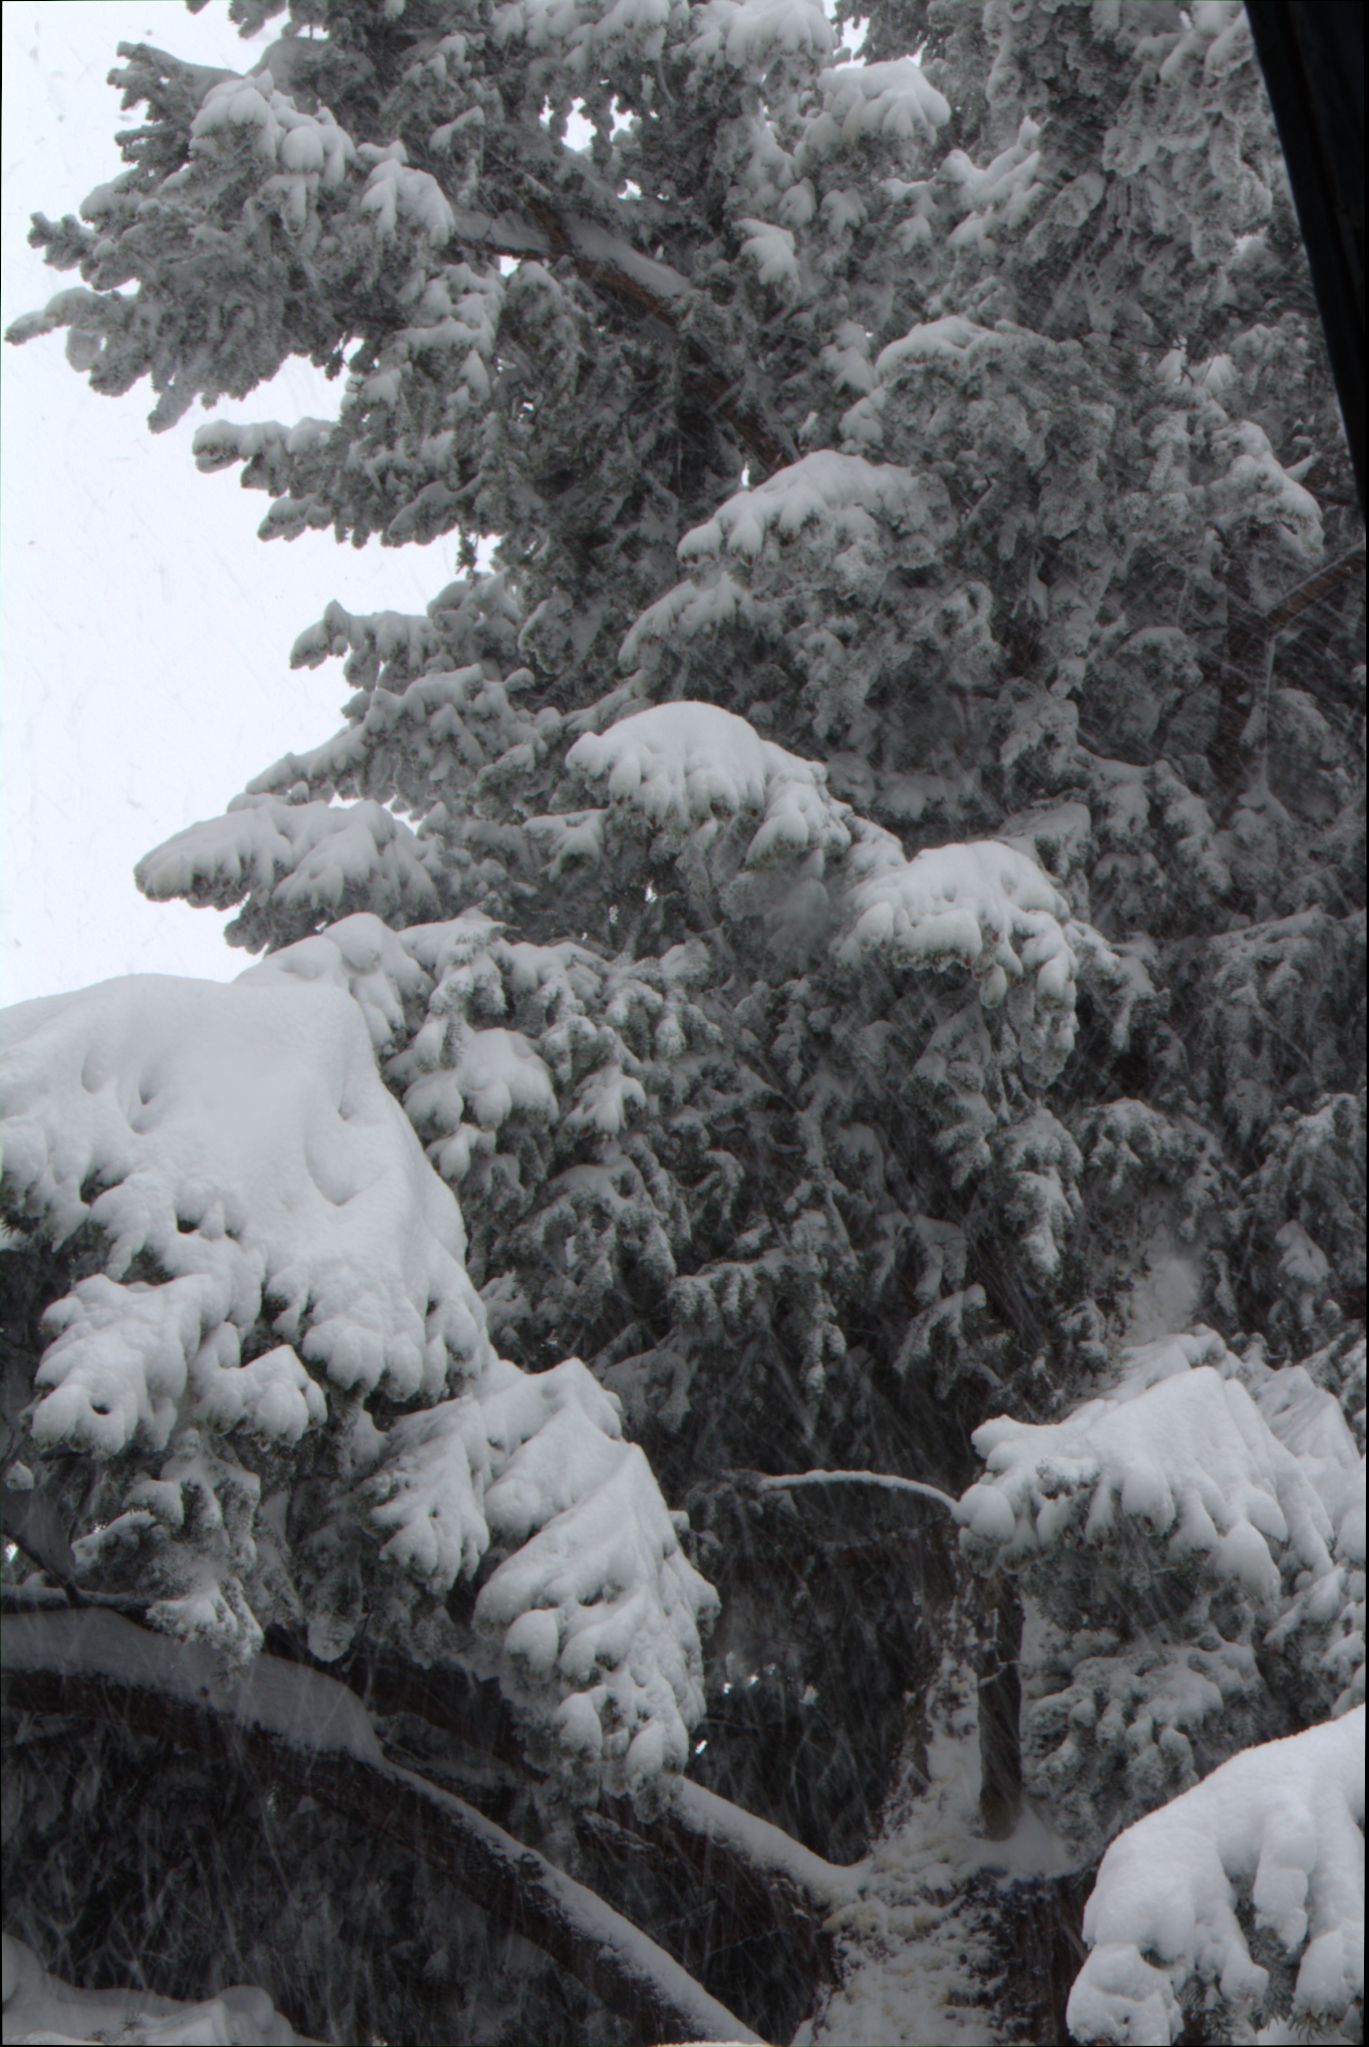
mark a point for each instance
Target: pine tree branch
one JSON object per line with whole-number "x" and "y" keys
{"x": 98, "y": 1665}
{"x": 639, "y": 285}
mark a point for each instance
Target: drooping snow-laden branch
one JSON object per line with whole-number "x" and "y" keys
{"x": 765, "y": 1875}
{"x": 303, "y": 1729}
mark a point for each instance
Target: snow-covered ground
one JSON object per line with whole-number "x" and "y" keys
{"x": 913, "y": 1958}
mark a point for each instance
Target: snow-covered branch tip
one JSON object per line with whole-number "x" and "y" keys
{"x": 789, "y": 1481}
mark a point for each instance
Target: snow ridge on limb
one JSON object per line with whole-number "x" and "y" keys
{"x": 1274, "y": 1838}
{"x": 280, "y": 1710}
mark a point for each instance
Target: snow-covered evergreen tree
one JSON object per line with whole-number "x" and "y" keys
{"x": 861, "y": 906}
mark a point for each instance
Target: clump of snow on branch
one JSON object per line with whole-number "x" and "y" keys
{"x": 1187, "y": 1457}
{"x": 682, "y": 764}
{"x": 968, "y": 904}
{"x": 240, "y": 1141}
{"x": 395, "y": 192}
{"x": 593, "y": 1614}
{"x": 1196, "y": 1462}
{"x": 297, "y": 864}
{"x": 748, "y": 35}
{"x": 837, "y": 495}
{"x": 1274, "y": 1838}
{"x": 309, "y": 152}
{"x": 894, "y": 99}
{"x": 596, "y": 1600}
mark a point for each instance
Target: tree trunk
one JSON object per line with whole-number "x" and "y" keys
{"x": 1000, "y": 1712}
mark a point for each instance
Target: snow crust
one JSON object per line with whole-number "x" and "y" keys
{"x": 1274, "y": 1838}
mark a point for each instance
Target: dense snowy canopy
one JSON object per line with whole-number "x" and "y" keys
{"x": 861, "y": 904}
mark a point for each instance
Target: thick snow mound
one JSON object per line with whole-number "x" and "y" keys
{"x": 1190, "y": 1458}
{"x": 239, "y": 1154}
{"x": 1274, "y": 1837}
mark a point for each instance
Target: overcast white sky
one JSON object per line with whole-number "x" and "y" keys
{"x": 146, "y": 630}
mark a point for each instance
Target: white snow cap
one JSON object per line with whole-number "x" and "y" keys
{"x": 839, "y": 494}
{"x": 684, "y": 763}
{"x": 1275, "y": 1835}
{"x": 308, "y": 858}
{"x": 240, "y": 1138}
{"x": 752, "y": 34}
{"x": 895, "y": 98}
{"x": 1189, "y": 1455}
